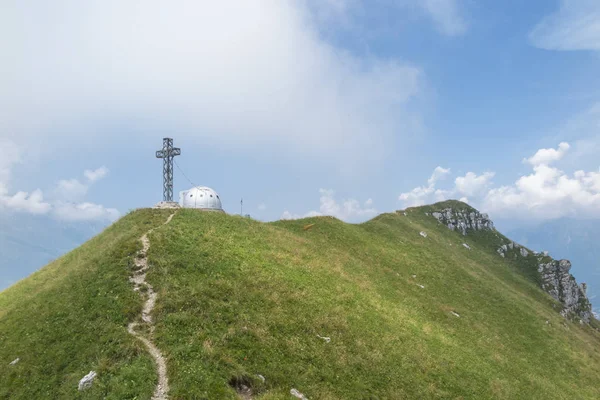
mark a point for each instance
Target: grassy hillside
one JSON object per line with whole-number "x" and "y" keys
{"x": 239, "y": 298}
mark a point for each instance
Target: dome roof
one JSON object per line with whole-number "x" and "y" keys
{"x": 201, "y": 197}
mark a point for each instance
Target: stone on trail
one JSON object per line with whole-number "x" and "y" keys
{"x": 423, "y": 234}
{"x": 326, "y": 339}
{"x": 16, "y": 360}
{"x": 87, "y": 381}
{"x": 297, "y": 394}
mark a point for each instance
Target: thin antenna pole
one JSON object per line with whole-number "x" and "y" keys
{"x": 242, "y": 207}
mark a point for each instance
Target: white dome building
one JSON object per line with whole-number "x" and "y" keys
{"x": 201, "y": 197}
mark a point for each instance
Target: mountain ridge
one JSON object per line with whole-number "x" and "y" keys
{"x": 329, "y": 309}
{"x": 552, "y": 275}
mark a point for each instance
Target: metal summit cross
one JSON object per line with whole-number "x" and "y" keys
{"x": 167, "y": 153}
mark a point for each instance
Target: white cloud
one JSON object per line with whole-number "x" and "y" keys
{"x": 422, "y": 194}
{"x": 346, "y": 210}
{"x": 68, "y": 191}
{"x": 97, "y": 174}
{"x": 546, "y": 193}
{"x": 472, "y": 184}
{"x": 446, "y": 15}
{"x": 10, "y": 155}
{"x": 71, "y": 189}
{"x": 548, "y": 156}
{"x": 20, "y": 201}
{"x": 438, "y": 174}
{"x": 575, "y": 26}
{"x": 223, "y": 72}
{"x": 84, "y": 212}
{"x": 469, "y": 185}
{"x": 27, "y": 202}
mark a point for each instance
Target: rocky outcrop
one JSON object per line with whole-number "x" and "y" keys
{"x": 560, "y": 284}
{"x": 464, "y": 220}
{"x": 553, "y": 274}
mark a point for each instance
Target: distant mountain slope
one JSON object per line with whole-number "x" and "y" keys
{"x": 28, "y": 242}
{"x": 576, "y": 240}
{"x": 333, "y": 310}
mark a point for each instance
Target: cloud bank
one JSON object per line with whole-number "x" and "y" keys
{"x": 447, "y": 16}
{"x": 347, "y": 210}
{"x": 229, "y": 73}
{"x": 546, "y": 193}
{"x": 574, "y": 26}
{"x": 68, "y": 194}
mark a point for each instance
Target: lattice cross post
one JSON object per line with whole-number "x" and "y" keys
{"x": 167, "y": 153}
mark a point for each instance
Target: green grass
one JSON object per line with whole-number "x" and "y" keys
{"x": 71, "y": 316}
{"x": 238, "y": 298}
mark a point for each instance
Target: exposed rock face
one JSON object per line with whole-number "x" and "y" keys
{"x": 524, "y": 252}
{"x": 554, "y": 275}
{"x": 464, "y": 220}
{"x": 560, "y": 284}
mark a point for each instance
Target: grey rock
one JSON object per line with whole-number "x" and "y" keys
{"x": 562, "y": 286}
{"x": 524, "y": 252}
{"x": 15, "y": 361}
{"x": 467, "y": 246}
{"x": 511, "y": 245}
{"x": 262, "y": 378}
{"x": 423, "y": 234}
{"x": 545, "y": 253}
{"x": 325, "y": 338}
{"x": 464, "y": 220}
{"x": 87, "y": 381}
{"x": 297, "y": 394}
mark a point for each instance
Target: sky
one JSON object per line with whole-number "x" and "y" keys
{"x": 339, "y": 107}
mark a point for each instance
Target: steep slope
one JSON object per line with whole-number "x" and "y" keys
{"x": 551, "y": 275}
{"x": 333, "y": 310}
{"x": 70, "y": 317}
{"x": 576, "y": 240}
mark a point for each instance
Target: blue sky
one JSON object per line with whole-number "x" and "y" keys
{"x": 341, "y": 107}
